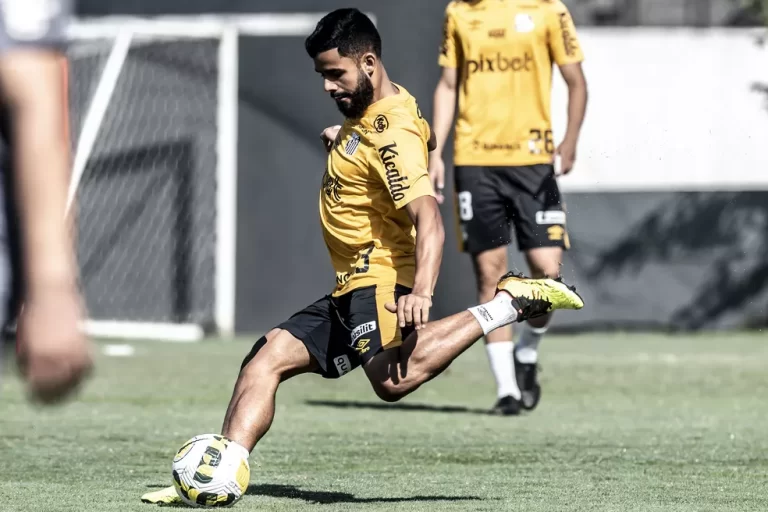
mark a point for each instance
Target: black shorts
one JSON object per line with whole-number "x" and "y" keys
{"x": 345, "y": 332}
{"x": 490, "y": 200}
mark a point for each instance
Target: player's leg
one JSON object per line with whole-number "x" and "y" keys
{"x": 485, "y": 232}
{"x": 396, "y": 371}
{"x": 296, "y": 346}
{"x": 275, "y": 358}
{"x": 542, "y": 237}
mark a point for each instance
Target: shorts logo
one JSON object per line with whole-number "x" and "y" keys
{"x": 343, "y": 366}
{"x": 362, "y": 346}
{"x": 556, "y": 233}
{"x": 351, "y": 146}
{"x": 550, "y": 217}
{"x": 524, "y": 23}
{"x": 362, "y": 329}
{"x": 380, "y": 123}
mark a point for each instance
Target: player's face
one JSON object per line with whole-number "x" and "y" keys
{"x": 345, "y": 81}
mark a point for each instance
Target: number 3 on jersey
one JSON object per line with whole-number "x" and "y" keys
{"x": 465, "y": 206}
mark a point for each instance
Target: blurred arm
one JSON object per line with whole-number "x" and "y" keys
{"x": 573, "y": 74}
{"x": 33, "y": 86}
{"x": 444, "y": 107}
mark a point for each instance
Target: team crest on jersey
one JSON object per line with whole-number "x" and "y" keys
{"x": 351, "y": 146}
{"x": 524, "y": 23}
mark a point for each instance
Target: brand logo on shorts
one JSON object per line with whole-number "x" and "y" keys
{"x": 550, "y": 217}
{"x": 362, "y": 346}
{"x": 362, "y": 329}
{"x": 556, "y": 233}
{"x": 343, "y": 366}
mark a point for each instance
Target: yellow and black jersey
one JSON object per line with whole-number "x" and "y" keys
{"x": 504, "y": 51}
{"x": 378, "y": 165}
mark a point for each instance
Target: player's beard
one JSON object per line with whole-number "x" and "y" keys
{"x": 359, "y": 99}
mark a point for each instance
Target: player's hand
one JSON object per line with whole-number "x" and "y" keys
{"x": 567, "y": 153}
{"x": 437, "y": 176}
{"x": 53, "y": 353}
{"x": 411, "y": 309}
{"x": 328, "y": 136}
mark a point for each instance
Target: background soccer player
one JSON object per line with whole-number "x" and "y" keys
{"x": 52, "y": 351}
{"x": 497, "y": 58}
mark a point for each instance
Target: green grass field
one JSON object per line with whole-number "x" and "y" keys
{"x": 626, "y": 422}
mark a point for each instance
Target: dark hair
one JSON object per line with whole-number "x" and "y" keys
{"x": 348, "y": 30}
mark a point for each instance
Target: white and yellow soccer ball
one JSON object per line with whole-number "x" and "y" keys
{"x": 210, "y": 470}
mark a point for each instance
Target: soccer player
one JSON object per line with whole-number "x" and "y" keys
{"x": 497, "y": 57}
{"x": 52, "y": 351}
{"x": 383, "y": 230}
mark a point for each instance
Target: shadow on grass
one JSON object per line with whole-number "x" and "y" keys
{"x": 329, "y": 497}
{"x": 325, "y": 497}
{"x": 451, "y": 409}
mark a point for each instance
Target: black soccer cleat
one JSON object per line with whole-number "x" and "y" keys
{"x": 528, "y": 382}
{"x": 506, "y": 406}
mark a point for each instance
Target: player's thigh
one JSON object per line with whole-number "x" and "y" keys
{"x": 539, "y": 217}
{"x": 481, "y": 210}
{"x": 292, "y": 347}
{"x": 375, "y": 334}
{"x": 278, "y": 353}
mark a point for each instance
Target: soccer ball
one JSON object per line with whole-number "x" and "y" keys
{"x": 211, "y": 471}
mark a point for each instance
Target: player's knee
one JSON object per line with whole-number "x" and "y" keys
{"x": 265, "y": 360}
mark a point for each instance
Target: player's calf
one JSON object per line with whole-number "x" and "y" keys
{"x": 274, "y": 358}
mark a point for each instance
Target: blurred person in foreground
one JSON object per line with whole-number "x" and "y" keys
{"x": 52, "y": 352}
{"x": 497, "y": 58}
{"x": 383, "y": 230}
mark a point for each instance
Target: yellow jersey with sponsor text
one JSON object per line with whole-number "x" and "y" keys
{"x": 378, "y": 165}
{"x": 504, "y": 51}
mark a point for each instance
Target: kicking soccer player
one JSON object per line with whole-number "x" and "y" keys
{"x": 383, "y": 230}
{"x": 53, "y": 353}
{"x": 498, "y": 56}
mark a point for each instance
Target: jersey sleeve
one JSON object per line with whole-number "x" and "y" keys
{"x": 35, "y": 24}
{"x": 402, "y": 163}
{"x": 563, "y": 41}
{"x": 450, "y": 46}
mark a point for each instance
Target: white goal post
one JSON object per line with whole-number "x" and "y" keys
{"x": 115, "y": 151}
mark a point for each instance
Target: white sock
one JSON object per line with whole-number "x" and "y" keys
{"x": 503, "y": 368}
{"x": 528, "y": 344}
{"x": 496, "y": 313}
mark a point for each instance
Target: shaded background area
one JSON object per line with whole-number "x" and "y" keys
{"x": 650, "y": 257}
{"x": 585, "y": 12}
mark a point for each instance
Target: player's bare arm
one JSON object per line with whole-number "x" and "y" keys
{"x": 413, "y": 309}
{"x": 573, "y": 74}
{"x": 53, "y": 352}
{"x": 442, "y": 119}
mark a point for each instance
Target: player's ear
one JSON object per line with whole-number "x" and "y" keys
{"x": 369, "y": 63}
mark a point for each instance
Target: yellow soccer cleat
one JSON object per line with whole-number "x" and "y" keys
{"x": 537, "y": 297}
{"x": 167, "y": 496}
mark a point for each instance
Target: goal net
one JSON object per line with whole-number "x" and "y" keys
{"x": 153, "y": 110}
{"x": 145, "y": 113}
